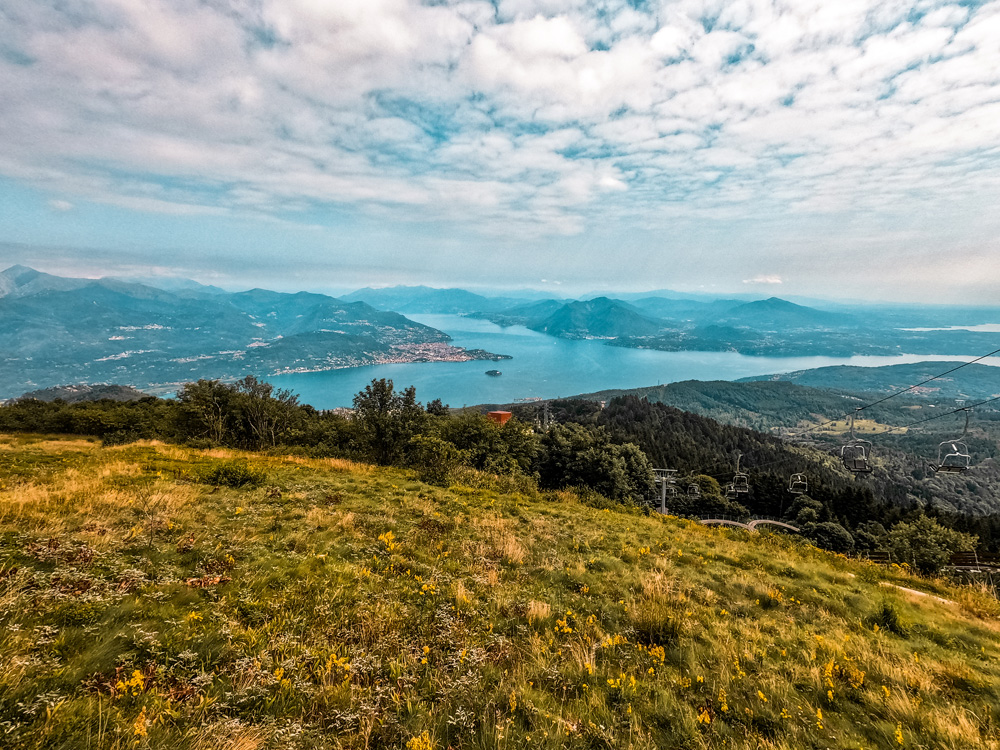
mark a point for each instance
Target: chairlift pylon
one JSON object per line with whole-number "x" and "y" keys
{"x": 953, "y": 455}
{"x": 741, "y": 482}
{"x": 666, "y": 479}
{"x": 798, "y": 485}
{"x": 857, "y": 453}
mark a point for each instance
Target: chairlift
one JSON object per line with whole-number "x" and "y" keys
{"x": 856, "y": 455}
{"x": 666, "y": 479}
{"x": 798, "y": 485}
{"x": 731, "y": 492}
{"x": 741, "y": 482}
{"x": 665, "y": 475}
{"x": 953, "y": 455}
{"x": 693, "y": 490}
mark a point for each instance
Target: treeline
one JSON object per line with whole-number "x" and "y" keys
{"x": 387, "y": 427}
{"x": 608, "y": 454}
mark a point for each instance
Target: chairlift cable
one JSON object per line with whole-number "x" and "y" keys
{"x": 888, "y": 431}
{"x": 897, "y": 393}
{"x": 938, "y": 416}
{"x": 883, "y": 400}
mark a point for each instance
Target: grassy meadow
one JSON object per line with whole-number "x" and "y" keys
{"x": 146, "y": 603}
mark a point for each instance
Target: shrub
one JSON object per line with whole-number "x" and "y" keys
{"x": 830, "y": 535}
{"x": 236, "y": 473}
{"x": 434, "y": 458}
{"x": 927, "y": 544}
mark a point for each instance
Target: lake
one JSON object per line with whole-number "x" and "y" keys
{"x": 548, "y": 367}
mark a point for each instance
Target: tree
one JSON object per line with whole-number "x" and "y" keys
{"x": 434, "y": 458}
{"x": 387, "y": 420}
{"x": 926, "y": 544}
{"x": 488, "y": 446}
{"x": 266, "y": 414}
{"x": 206, "y": 410}
{"x": 573, "y": 456}
{"x": 436, "y": 408}
{"x": 829, "y": 535}
{"x": 805, "y": 510}
{"x": 709, "y": 503}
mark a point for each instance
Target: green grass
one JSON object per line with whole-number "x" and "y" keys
{"x": 341, "y": 606}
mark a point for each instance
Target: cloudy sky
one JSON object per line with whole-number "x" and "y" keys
{"x": 846, "y": 148}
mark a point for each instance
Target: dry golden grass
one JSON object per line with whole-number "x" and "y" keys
{"x": 486, "y": 620}
{"x": 538, "y": 611}
{"x": 495, "y": 540}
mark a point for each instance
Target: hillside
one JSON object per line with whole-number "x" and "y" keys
{"x": 73, "y": 394}
{"x": 773, "y": 404}
{"x": 975, "y": 381}
{"x": 596, "y": 318}
{"x": 55, "y": 330}
{"x": 525, "y": 314}
{"x": 336, "y": 605}
{"x": 678, "y": 426}
{"x": 425, "y": 299}
{"x": 776, "y": 313}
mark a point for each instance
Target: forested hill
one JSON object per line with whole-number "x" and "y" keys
{"x": 759, "y": 405}
{"x": 766, "y": 405}
{"x": 974, "y": 381}
{"x": 693, "y": 443}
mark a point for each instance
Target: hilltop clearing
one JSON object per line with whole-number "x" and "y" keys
{"x": 325, "y": 604}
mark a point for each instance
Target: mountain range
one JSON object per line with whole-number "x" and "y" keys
{"x": 668, "y": 321}
{"x": 57, "y": 330}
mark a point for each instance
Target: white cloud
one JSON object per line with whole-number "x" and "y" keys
{"x": 535, "y": 117}
{"x": 763, "y": 280}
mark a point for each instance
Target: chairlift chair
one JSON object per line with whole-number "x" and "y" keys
{"x": 953, "y": 455}
{"x": 856, "y": 455}
{"x": 694, "y": 490}
{"x": 798, "y": 485}
{"x": 731, "y": 492}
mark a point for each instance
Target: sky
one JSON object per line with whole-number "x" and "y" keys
{"x": 846, "y": 149}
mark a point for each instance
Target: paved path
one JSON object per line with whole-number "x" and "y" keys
{"x": 917, "y": 593}
{"x": 911, "y": 591}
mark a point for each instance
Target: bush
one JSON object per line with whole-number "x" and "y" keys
{"x": 926, "y": 544}
{"x": 829, "y": 535}
{"x": 434, "y": 458}
{"x": 237, "y": 473}
{"x": 119, "y": 437}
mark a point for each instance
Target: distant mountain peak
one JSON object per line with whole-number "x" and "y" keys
{"x": 18, "y": 281}
{"x": 20, "y": 274}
